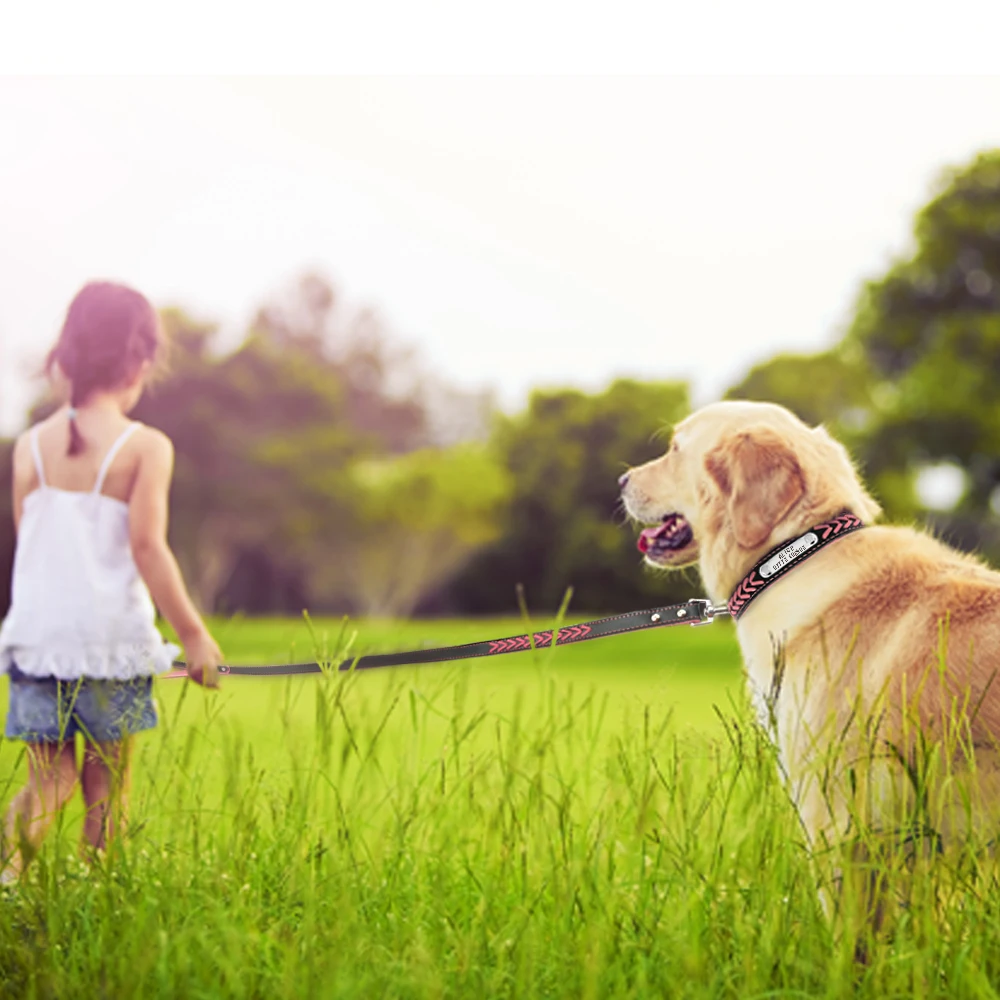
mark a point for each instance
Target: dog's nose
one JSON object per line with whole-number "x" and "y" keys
{"x": 623, "y": 480}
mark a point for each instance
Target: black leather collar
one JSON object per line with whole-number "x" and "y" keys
{"x": 787, "y": 556}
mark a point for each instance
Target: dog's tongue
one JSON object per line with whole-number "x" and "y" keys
{"x": 649, "y": 536}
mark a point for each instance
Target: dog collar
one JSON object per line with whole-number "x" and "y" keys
{"x": 787, "y": 556}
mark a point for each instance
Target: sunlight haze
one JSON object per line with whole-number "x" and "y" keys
{"x": 518, "y": 231}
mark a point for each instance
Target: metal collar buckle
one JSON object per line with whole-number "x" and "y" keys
{"x": 707, "y": 611}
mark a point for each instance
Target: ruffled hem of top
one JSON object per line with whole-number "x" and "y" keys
{"x": 121, "y": 664}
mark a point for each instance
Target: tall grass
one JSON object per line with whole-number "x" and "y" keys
{"x": 413, "y": 834}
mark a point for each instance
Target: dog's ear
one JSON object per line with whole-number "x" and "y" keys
{"x": 761, "y": 480}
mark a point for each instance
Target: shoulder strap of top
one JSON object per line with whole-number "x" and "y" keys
{"x": 110, "y": 456}
{"x": 36, "y": 454}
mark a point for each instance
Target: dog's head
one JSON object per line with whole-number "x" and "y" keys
{"x": 739, "y": 478}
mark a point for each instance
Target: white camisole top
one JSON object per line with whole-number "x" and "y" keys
{"x": 79, "y": 607}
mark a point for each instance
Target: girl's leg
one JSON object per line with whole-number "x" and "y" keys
{"x": 51, "y": 783}
{"x": 105, "y": 780}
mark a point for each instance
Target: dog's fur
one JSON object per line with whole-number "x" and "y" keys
{"x": 874, "y": 660}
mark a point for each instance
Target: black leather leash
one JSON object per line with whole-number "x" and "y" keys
{"x": 694, "y": 612}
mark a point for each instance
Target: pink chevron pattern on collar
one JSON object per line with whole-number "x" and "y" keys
{"x": 786, "y": 557}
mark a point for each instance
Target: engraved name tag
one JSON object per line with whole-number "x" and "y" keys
{"x": 788, "y": 553}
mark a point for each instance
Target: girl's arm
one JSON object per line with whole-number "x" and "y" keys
{"x": 147, "y": 518}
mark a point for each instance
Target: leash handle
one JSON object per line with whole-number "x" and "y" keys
{"x": 694, "y": 612}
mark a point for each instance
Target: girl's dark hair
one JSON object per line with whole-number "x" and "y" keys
{"x": 110, "y": 330}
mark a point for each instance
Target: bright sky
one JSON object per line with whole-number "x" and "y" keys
{"x": 520, "y": 231}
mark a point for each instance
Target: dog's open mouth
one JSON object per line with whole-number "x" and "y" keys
{"x": 670, "y": 535}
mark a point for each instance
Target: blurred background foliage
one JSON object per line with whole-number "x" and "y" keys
{"x": 911, "y": 387}
{"x": 321, "y": 465}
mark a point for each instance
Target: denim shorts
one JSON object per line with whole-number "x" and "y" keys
{"x": 46, "y": 710}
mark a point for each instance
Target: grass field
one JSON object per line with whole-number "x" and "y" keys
{"x": 599, "y": 820}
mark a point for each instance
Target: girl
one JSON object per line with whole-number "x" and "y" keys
{"x": 90, "y": 510}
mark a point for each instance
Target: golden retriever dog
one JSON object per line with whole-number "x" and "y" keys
{"x": 872, "y": 661}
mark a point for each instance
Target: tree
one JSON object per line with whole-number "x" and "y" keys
{"x": 912, "y": 383}
{"x": 420, "y": 519}
{"x": 929, "y": 330}
{"x": 564, "y": 526}
{"x": 832, "y": 388}
{"x": 387, "y": 393}
{"x": 258, "y": 435}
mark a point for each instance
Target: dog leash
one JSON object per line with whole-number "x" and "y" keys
{"x": 771, "y": 567}
{"x": 694, "y": 612}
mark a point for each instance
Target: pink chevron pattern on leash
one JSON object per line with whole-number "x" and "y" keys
{"x": 752, "y": 584}
{"x": 568, "y": 634}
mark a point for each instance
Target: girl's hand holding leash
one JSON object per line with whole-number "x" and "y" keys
{"x": 202, "y": 655}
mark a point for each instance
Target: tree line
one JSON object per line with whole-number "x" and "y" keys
{"x": 320, "y": 466}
